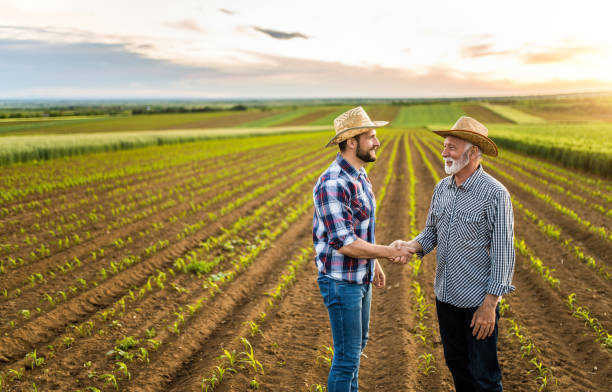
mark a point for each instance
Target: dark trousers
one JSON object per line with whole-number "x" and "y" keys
{"x": 473, "y": 363}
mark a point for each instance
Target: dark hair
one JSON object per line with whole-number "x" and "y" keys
{"x": 342, "y": 144}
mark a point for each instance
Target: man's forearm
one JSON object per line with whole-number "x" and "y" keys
{"x": 361, "y": 249}
{"x": 491, "y": 300}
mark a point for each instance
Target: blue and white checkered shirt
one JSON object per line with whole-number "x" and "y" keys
{"x": 473, "y": 227}
{"x": 344, "y": 211}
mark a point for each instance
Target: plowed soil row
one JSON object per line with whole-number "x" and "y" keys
{"x": 201, "y": 363}
{"x": 155, "y": 305}
{"x": 138, "y": 221}
{"x": 148, "y": 161}
{"x": 295, "y": 331}
{"x": 227, "y": 121}
{"x": 105, "y": 191}
{"x": 120, "y": 282}
{"x": 308, "y": 117}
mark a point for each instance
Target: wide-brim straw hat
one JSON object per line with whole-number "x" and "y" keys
{"x": 467, "y": 128}
{"x": 352, "y": 123}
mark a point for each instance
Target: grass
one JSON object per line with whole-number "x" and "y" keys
{"x": 513, "y": 115}
{"x": 27, "y": 148}
{"x": 582, "y": 146}
{"x": 415, "y": 115}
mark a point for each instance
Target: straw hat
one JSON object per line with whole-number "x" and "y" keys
{"x": 352, "y": 123}
{"x": 467, "y": 128}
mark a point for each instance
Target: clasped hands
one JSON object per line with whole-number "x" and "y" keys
{"x": 403, "y": 250}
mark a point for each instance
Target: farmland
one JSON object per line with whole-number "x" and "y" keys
{"x": 189, "y": 266}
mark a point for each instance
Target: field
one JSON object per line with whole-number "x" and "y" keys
{"x": 189, "y": 267}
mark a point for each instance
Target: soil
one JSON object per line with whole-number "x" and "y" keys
{"x": 293, "y": 330}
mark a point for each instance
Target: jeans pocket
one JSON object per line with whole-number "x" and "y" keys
{"x": 328, "y": 289}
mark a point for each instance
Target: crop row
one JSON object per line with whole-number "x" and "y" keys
{"x": 529, "y": 351}
{"x": 206, "y": 185}
{"x": 109, "y": 166}
{"x": 307, "y": 203}
{"x": 115, "y": 267}
{"x": 555, "y": 232}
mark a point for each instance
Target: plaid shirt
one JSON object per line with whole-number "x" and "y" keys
{"x": 472, "y": 225}
{"x": 344, "y": 211}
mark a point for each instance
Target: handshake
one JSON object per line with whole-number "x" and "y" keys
{"x": 402, "y": 251}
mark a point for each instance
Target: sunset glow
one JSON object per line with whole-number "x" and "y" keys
{"x": 214, "y": 49}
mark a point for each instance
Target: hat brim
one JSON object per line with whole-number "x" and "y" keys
{"x": 348, "y": 133}
{"x": 487, "y": 145}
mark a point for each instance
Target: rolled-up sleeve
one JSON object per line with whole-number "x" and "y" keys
{"x": 428, "y": 238}
{"x": 332, "y": 206}
{"x": 502, "y": 245}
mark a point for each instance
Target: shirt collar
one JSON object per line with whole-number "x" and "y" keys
{"x": 348, "y": 168}
{"x": 467, "y": 184}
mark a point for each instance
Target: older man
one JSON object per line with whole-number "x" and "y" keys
{"x": 471, "y": 221}
{"x": 343, "y": 236}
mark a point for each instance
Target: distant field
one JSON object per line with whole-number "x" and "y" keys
{"x": 329, "y": 119}
{"x": 383, "y": 113}
{"x": 136, "y": 123}
{"x": 582, "y": 110}
{"x": 484, "y": 114}
{"x": 42, "y": 147}
{"x": 416, "y": 115}
{"x": 280, "y": 118}
{"x": 513, "y": 115}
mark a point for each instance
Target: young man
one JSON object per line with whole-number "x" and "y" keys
{"x": 471, "y": 221}
{"x": 343, "y": 236}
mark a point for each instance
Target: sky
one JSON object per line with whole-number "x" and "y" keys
{"x": 302, "y": 49}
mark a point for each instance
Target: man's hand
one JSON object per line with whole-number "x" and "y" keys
{"x": 380, "y": 280}
{"x": 409, "y": 247}
{"x": 483, "y": 320}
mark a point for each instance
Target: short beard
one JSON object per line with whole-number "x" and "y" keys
{"x": 457, "y": 165}
{"x": 365, "y": 157}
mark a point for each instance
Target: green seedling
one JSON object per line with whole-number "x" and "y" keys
{"x": 231, "y": 358}
{"x": 34, "y": 360}
{"x": 253, "y": 326}
{"x": 249, "y": 356}
{"x": 122, "y": 367}
{"x": 427, "y": 363}
{"x": 110, "y": 379}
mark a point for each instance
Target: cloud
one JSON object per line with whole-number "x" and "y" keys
{"x": 31, "y": 69}
{"x": 280, "y": 34}
{"x": 29, "y": 64}
{"x": 226, "y": 11}
{"x": 186, "y": 24}
{"x": 556, "y": 55}
{"x": 481, "y": 50}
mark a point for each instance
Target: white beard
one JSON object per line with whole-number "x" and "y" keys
{"x": 456, "y": 165}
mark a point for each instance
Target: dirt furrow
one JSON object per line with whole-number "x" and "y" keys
{"x": 89, "y": 302}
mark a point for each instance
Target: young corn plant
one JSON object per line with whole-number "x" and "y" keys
{"x": 328, "y": 356}
{"x": 34, "y": 360}
{"x": 249, "y": 357}
{"x": 427, "y": 363}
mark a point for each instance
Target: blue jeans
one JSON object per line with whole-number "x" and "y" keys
{"x": 473, "y": 363}
{"x": 348, "y": 306}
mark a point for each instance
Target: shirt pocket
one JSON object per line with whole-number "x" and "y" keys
{"x": 359, "y": 209}
{"x": 471, "y": 227}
